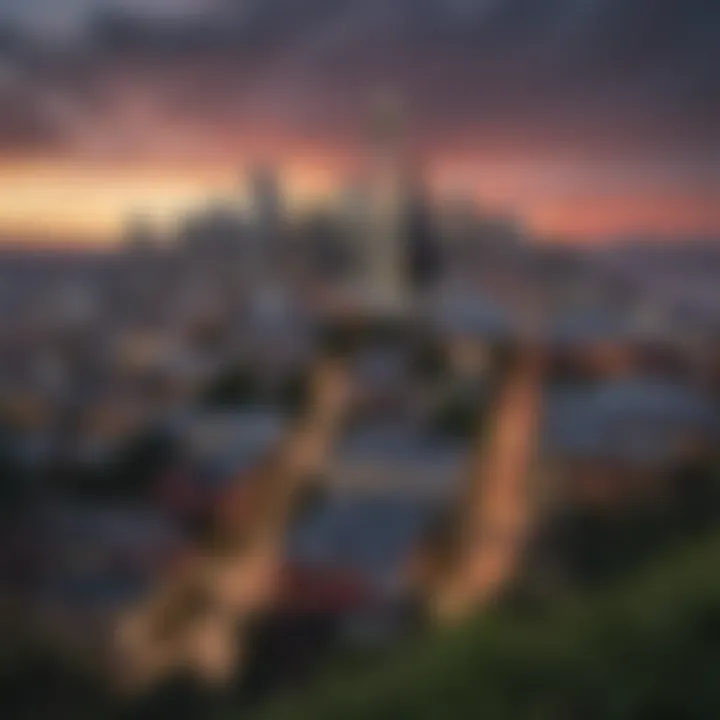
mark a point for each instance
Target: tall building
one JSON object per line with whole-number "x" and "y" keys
{"x": 139, "y": 234}
{"x": 423, "y": 266}
{"x": 383, "y": 276}
{"x": 266, "y": 215}
{"x": 399, "y": 253}
{"x": 265, "y": 196}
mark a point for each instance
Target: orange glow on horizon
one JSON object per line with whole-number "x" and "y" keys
{"x": 658, "y": 215}
{"x": 64, "y": 201}
{"x": 92, "y": 204}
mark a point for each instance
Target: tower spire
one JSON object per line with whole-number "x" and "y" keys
{"x": 382, "y": 280}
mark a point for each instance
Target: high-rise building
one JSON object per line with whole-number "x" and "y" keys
{"x": 399, "y": 253}
{"x": 383, "y": 276}
{"x": 139, "y": 234}
{"x": 266, "y": 214}
{"x": 264, "y": 187}
{"x": 423, "y": 260}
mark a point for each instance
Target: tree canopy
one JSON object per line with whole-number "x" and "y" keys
{"x": 648, "y": 649}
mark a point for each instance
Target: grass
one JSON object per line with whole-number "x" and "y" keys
{"x": 647, "y": 649}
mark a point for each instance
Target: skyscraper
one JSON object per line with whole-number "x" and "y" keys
{"x": 383, "y": 276}
{"x": 400, "y": 255}
{"x": 266, "y": 212}
{"x": 265, "y": 199}
{"x": 423, "y": 263}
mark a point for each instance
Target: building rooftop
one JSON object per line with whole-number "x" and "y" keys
{"x": 373, "y": 537}
{"x": 637, "y": 420}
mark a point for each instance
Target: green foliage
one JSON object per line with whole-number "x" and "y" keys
{"x": 695, "y": 487}
{"x": 37, "y": 684}
{"x": 128, "y": 475}
{"x": 340, "y": 339}
{"x": 14, "y": 481}
{"x": 146, "y": 454}
{"x": 457, "y": 416}
{"x": 293, "y": 394}
{"x": 649, "y": 649}
{"x": 237, "y": 387}
{"x": 430, "y": 362}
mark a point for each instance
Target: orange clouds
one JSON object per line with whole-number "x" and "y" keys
{"x": 90, "y": 201}
{"x": 654, "y": 214}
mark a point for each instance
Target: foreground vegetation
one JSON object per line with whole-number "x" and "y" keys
{"x": 648, "y": 649}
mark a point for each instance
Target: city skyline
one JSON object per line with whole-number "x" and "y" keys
{"x": 589, "y": 119}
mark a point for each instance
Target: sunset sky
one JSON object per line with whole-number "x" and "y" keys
{"x": 589, "y": 118}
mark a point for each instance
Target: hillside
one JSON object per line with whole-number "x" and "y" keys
{"x": 648, "y": 649}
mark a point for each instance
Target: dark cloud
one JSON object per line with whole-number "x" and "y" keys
{"x": 630, "y": 78}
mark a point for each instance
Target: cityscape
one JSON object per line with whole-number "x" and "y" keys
{"x": 388, "y": 446}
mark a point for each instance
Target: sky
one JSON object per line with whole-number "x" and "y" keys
{"x": 590, "y": 119}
